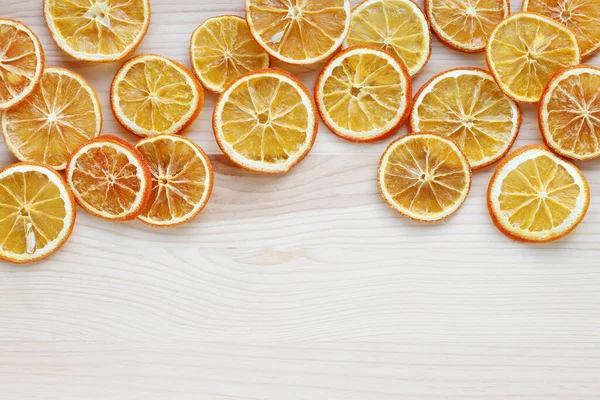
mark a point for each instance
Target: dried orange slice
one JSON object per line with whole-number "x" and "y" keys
{"x": 299, "y": 32}
{"x": 109, "y": 178}
{"x": 266, "y": 121}
{"x": 97, "y": 30}
{"x": 467, "y": 106}
{"x": 21, "y": 62}
{"x": 569, "y": 113}
{"x": 525, "y": 51}
{"x": 465, "y": 25}
{"x": 222, "y": 49}
{"x": 398, "y": 27}
{"x": 182, "y": 179}
{"x": 363, "y": 94}
{"x": 581, "y": 16}
{"x": 151, "y": 94}
{"x": 535, "y": 196}
{"x": 37, "y": 212}
{"x": 424, "y": 177}
{"x": 62, "y": 112}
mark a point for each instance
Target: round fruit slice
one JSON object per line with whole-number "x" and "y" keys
{"x": 109, "y": 178}
{"x": 266, "y": 121}
{"x": 465, "y": 25}
{"x": 299, "y": 32}
{"x": 424, "y": 177}
{"x": 182, "y": 179}
{"x": 535, "y": 196}
{"x": 363, "y": 94}
{"x": 467, "y": 106}
{"x": 569, "y": 113}
{"x": 37, "y": 212}
{"x": 398, "y": 27}
{"x": 97, "y": 30}
{"x": 21, "y": 62}
{"x": 222, "y": 49}
{"x": 62, "y": 112}
{"x": 581, "y": 16}
{"x": 151, "y": 94}
{"x": 525, "y": 51}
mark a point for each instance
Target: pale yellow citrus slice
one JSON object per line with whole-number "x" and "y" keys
{"x": 182, "y": 179}
{"x": 151, "y": 95}
{"x": 299, "y": 31}
{"x": 398, "y": 27}
{"x": 21, "y": 62}
{"x": 525, "y": 51}
{"x": 424, "y": 177}
{"x": 266, "y": 121}
{"x": 535, "y": 196}
{"x": 222, "y": 49}
{"x": 62, "y": 112}
{"x": 363, "y": 94}
{"x": 467, "y": 106}
{"x": 97, "y": 30}
{"x": 37, "y": 212}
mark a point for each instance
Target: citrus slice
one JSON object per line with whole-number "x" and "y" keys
{"x": 424, "y": 177}
{"x": 62, "y": 112}
{"x": 397, "y": 27}
{"x": 465, "y": 25}
{"x": 363, "y": 94}
{"x": 535, "y": 196}
{"x": 37, "y": 212}
{"x": 109, "y": 178}
{"x": 298, "y": 32}
{"x": 222, "y": 49}
{"x": 151, "y": 94}
{"x": 525, "y": 51}
{"x": 467, "y": 106}
{"x": 182, "y": 179}
{"x": 97, "y": 30}
{"x": 265, "y": 121}
{"x": 569, "y": 113}
{"x": 581, "y": 16}
{"x": 21, "y": 62}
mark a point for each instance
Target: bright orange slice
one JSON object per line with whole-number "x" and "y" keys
{"x": 535, "y": 196}
{"x": 222, "y": 49}
{"x": 109, "y": 178}
{"x": 298, "y": 31}
{"x": 182, "y": 179}
{"x": 37, "y": 212}
{"x": 21, "y": 62}
{"x": 62, "y": 112}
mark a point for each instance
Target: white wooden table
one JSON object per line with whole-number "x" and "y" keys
{"x": 304, "y": 286}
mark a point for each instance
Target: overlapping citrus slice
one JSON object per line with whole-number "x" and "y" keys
{"x": 581, "y": 16}
{"x": 109, "y": 178}
{"x": 467, "y": 106}
{"x": 97, "y": 30}
{"x": 222, "y": 49}
{"x": 526, "y": 50}
{"x": 266, "y": 121}
{"x": 535, "y": 196}
{"x": 424, "y": 177}
{"x": 363, "y": 94}
{"x": 299, "y": 31}
{"x": 465, "y": 25}
{"x": 21, "y": 62}
{"x": 182, "y": 179}
{"x": 151, "y": 95}
{"x": 37, "y": 212}
{"x": 398, "y": 27}
{"x": 62, "y": 112}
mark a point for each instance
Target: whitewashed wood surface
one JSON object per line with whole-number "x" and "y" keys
{"x": 304, "y": 286}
